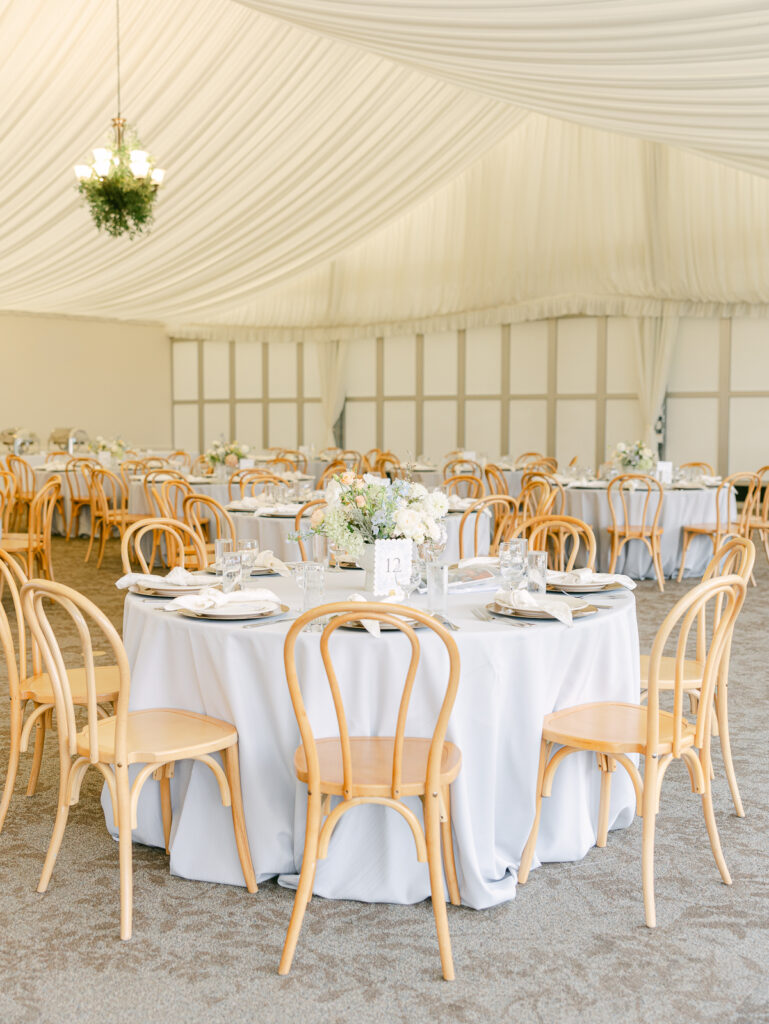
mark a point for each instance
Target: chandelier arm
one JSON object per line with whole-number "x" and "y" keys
{"x": 117, "y": 31}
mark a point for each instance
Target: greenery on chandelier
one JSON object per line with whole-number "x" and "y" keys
{"x": 121, "y": 202}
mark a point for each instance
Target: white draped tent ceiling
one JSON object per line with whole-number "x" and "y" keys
{"x": 337, "y": 169}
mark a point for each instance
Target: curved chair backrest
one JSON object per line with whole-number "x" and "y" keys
{"x": 298, "y": 458}
{"x": 544, "y": 465}
{"x": 331, "y": 453}
{"x": 558, "y": 504}
{"x": 129, "y": 468}
{"x": 352, "y": 459}
{"x": 398, "y": 617}
{"x": 109, "y": 490}
{"x": 25, "y": 476}
{"x": 536, "y": 498}
{"x": 495, "y": 479}
{"x": 332, "y": 469}
{"x": 78, "y": 483}
{"x": 200, "y": 507}
{"x": 728, "y": 592}
{"x": 7, "y": 498}
{"x": 735, "y": 557}
{"x": 153, "y": 488}
{"x": 41, "y": 510}
{"x": 465, "y": 485}
{"x": 504, "y": 510}
{"x": 619, "y": 488}
{"x": 388, "y": 463}
{"x": 562, "y": 537}
{"x": 176, "y": 535}
{"x": 527, "y": 457}
{"x": 703, "y": 467}
{"x": 201, "y": 467}
{"x": 761, "y": 506}
{"x": 724, "y": 493}
{"x": 280, "y": 465}
{"x": 462, "y": 467}
{"x": 316, "y": 503}
{"x": 256, "y": 480}
{"x": 85, "y": 617}
{"x": 180, "y": 459}
{"x": 172, "y": 495}
{"x": 12, "y": 579}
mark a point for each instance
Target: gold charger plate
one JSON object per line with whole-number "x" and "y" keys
{"x": 385, "y": 627}
{"x": 582, "y": 588}
{"x": 150, "y": 591}
{"x": 534, "y": 613}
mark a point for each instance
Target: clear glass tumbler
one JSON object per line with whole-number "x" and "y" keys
{"x": 437, "y": 587}
{"x": 537, "y": 582}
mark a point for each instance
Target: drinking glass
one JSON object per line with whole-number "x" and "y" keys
{"x": 311, "y": 580}
{"x": 437, "y": 587}
{"x": 230, "y": 571}
{"x": 512, "y": 562}
{"x": 537, "y": 572}
{"x": 248, "y": 550}
{"x": 410, "y": 581}
{"x": 320, "y": 552}
{"x": 222, "y": 546}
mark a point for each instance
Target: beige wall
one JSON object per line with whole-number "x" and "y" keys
{"x": 107, "y": 377}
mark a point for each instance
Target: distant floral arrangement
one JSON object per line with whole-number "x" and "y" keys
{"x": 116, "y": 446}
{"x": 363, "y": 509}
{"x": 634, "y": 456}
{"x": 226, "y": 454}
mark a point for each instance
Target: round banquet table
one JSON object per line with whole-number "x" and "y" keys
{"x": 272, "y": 533}
{"x": 42, "y": 475}
{"x": 432, "y": 478}
{"x": 510, "y": 678}
{"x": 679, "y": 507}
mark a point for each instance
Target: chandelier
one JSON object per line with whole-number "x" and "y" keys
{"x": 120, "y": 185}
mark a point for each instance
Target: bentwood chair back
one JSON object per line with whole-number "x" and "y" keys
{"x": 201, "y": 509}
{"x": 110, "y": 503}
{"x": 615, "y": 731}
{"x": 7, "y": 499}
{"x": 129, "y": 468}
{"x": 180, "y": 460}
{"x": 30, "y": 689}
{"x": 298, "y": 458}
{"x": 645, "y": 527}
{"x": 376, "y": 769}
{"x": 152, "y": 486}
{"x": 736, "y": 556}
{"x": 78, "y": 488}
{"x": 455, "y": 467}
{"x": 544, "y": 465}
{"x": 172, "y": 494}
{"x": 155, "y": 738}
{"x": 759, "y": 522}
{"x": 388, "y": 464}
{"x": 181, "y": 540}
{"x": 280, "y": 465}
{"x": 536, "y": 498}
{"x": 298, "y": 523}
{"x": 465, "y": 485}
{"x": 724, "y": 526}
{"x": 253, "y": 484}
{"x": 702, "y": 467}
{"x": 502, "y": 508}
{"x": 352, "y": 459}
{"x": 558, "y": 504}
{"x": 564, "y": 538}
{"x": 242, "y": 478}
{"x": 33, "y": 547}
{"x": 201, "y": 467}
{"x": 495, "y": 479}
{"x": 525, "y": 457}
{"x": 26, "y": 486}
{"x": 331, "y": 453}
{"x": 332, "y": 469}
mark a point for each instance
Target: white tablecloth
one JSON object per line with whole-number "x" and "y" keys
{"x": 433, "y": 478}
{"x": 510, "y": 678}
{"x": 43, "y": 474}
{"x": 679, "y": 507}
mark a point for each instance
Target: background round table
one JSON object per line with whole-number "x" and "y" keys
{"x": 510, "y": 678}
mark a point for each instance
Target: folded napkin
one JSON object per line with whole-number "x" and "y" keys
{"x": 211, "y": 598}
{"x": 246, "y": 504}
{"x": 524, "y": 601}
{"x": 177, "y": 577}
{"x": 457, "y": 504}
{"x": 487, "y": 561}
{"x": 579, "y": 576}
{"x": 371, "y": 624}
{"x": 584, "y": 482}
{"x": 266, "y": 560}
{"x": 710, "y": 481}
{"x": 277, "y": 510}
{"x": 688, "y": 485}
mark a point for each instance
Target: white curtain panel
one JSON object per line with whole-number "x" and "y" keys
{"x": 692, "y": 73}
{"x": 332, "y": 363}
{"x": 654, "y": 346}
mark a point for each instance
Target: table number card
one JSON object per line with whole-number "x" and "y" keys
{"x": 665, "y": 472}
{"x": 392, "y": 558}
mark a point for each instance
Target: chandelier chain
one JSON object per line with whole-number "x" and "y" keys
{"x": 117, "y": 29}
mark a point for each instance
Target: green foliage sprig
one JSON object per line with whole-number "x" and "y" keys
{"x": 120, "y": 203}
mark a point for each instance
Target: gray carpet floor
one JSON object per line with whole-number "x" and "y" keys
{"x": 572, "y": 946}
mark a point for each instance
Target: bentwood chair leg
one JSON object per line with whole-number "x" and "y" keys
{"x": 232, "y": 770}
{"x": 304, "y": 889}
{"x": 722, "y": 716}
{"x": 435, "y": 866}
{"x": 96, "y": 526}
{"x": 531, "y": 843}
{"x": 62, "y": 813}
{"x": 105, "y": 532}
{"x": 647, "y": 852}
{"x": 125, "y": 850}
{"x": 657, "y": 559}
{"x": 13, "y": 761}
{"x": 710, "y": 822}
{"x": 687, "y": 541}
{"x": 603, "y": 807}
{"x": 614, "y": 552}
{"x": 449, "y": 865}
{"x": 37, "y": 756}
{"x": 165, "y": 810}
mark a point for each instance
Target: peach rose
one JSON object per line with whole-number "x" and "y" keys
{"x": 317, "y": 517}
{"x": 360, "y": 501}
{"x": 347, "y": 478}
{"x": 231, "y": 460}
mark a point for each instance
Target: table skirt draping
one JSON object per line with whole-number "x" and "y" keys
{"x": 679, "y": 508}
{"x": 510, "y": 678}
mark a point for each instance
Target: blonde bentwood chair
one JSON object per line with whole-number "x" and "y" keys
{"x": 614, "y": 731}
{"x": 316, "y": 503}
{"x": 502, "y": 507}
{"x": 649, "y": 534}
{"x": 218, "y": 523}
{"x": 495, "y": 478}
{"x": 181, "y": 540}
{"x": 26, "y": 485}
{"x": 723, "y": 528}
{"x": 736, "y": 556}
{"x": 556, "y": 535}
{"x": 155, "y": 738}
{"x": 376, "y": 769}
{"x": 7, "y": 498}
{"x": 33, "y": 548}
{"x": 471, "y": 485}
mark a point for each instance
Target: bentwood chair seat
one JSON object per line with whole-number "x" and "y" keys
{"x": 613, "y": 727}
{"x": 157, "y": 738}
{"x": 39, "y": 688}
{"x": 691, "y": 674}
{"x": 372, "y": 765}
{"x": 33, "y": 548}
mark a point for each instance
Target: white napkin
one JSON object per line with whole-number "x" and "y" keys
{"x": 457, "y": 504}
{"x": 584, "y": 482}
{"x": 579, "y": 576}
{"x": 177, "y": 577}
{"x": 266, "y": 560}
{"x": 525, "y": 600}
{"x": 486, "y": 561}
{"x": 371, "y": 624}
{"x": 710, "y": 481}
{"x": 277, "y": 510}
{"x": 211, "y": 598}
{"x": 246, "y": 504}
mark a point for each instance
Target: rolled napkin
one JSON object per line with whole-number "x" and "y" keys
{"x": 211, "y": 598}
{"x": 524, "y": 601}
{"x": 587, "y": 576}
{"x": 266, "y": 560}
{"x": 177, "y": 577}
{"x": 371, "y": 624}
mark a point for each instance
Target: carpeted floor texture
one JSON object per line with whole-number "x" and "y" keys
{"x": 572, "y": 946}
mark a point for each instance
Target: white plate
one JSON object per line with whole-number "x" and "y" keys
{"x": 581, "y": 588}
{"x": 151, "y": 591}
{"x": 385, "y": 627}
{"x": 582, "y": 608}
{"x": 237, "y": 611}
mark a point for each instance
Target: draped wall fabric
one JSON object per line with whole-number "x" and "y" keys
{"x": 557, "y": 219}
{"x": 332, "y": 359}
{"x": 654, "y": 346}
{"x": 693, "y": 73}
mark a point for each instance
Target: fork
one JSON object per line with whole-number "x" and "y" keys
{"x": 485, "y": 616}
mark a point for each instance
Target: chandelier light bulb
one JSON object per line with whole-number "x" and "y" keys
{"x": 157, "y": 175}
{"x": 82, "y": 172}
{"x": 139, "y": 164}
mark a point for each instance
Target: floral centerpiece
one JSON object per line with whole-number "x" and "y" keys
{"x": 114, "y": 448}
{"x": 360, "y": 510}
{"x": 636, "y": 457}
{"x": 226, "y": 455}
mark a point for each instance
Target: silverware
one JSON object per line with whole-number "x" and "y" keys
{"x": 270, "y": 622}
{"x": 445, "y": 622}
{"x": 485, "y": 616}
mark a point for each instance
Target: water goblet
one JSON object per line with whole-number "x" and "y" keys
{"x": 537, "y": 578}
{"x": 512, "y": 562}
{"x": 222, "y": 546}
{"x": 230, "y": 571}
